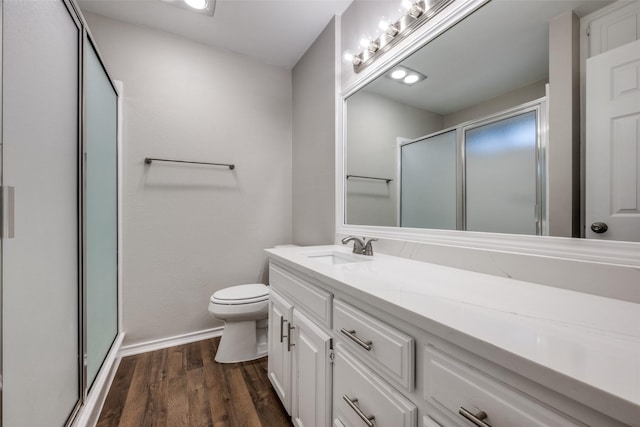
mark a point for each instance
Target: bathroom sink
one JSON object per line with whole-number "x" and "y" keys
{"x": 337, "y": 258}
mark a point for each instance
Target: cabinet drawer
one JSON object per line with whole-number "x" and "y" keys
{"x": 388, "y": 349}
{"x": 452, "y": 385}
{"x": 313, "y": 300}
{"x": 369, "y": 394}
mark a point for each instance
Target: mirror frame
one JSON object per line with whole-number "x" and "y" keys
{"x": 604, "y": 251}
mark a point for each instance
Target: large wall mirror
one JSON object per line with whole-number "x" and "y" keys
{"x": 455, "y": 136}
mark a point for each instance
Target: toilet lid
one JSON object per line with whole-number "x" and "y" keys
{"x": 241, "y": 294}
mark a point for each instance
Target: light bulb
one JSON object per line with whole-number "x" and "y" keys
{"x": 406, "y": 5}
{"x": 384, "y": 24}
{"x": 398, "y": 74}
{"x": 411, "y": 79}
{"x": 196, "y": 4}
{"x": 364, "y": 42}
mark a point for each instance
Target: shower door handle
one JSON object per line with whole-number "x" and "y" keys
{"x": 8, "y": 212}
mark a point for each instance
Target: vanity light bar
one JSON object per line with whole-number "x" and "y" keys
{"x": 419, "y": 13}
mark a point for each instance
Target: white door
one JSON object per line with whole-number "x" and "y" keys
{"x": 613, "y": 145}
{"x": 311, "y": 374}
{"x": 40, "y": 265}
{"x": 280, "y": 312}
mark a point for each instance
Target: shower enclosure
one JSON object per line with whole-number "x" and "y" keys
{"x": 59, "y": 213}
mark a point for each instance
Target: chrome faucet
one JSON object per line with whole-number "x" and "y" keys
{"x": 360, "y": 246}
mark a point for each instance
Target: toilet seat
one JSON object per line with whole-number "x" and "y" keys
{"x": 241, "y": 294}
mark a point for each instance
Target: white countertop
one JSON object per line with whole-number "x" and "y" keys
{"x": 594, "y": 342}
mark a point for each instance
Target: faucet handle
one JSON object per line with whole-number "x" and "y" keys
{"x": 368, "y": 248}
{"x": 358, "y": 244}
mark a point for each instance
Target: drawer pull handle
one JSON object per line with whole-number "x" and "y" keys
{"x": 368, "y": 419}
{"x": 477, "y": 418}
{"x": 289, "y": 329}
{"x": 352, "y": 334}
{"x": 282, "y": 335}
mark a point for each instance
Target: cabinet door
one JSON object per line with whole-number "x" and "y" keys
{"x": 280, "y": 313}
{"x": 311, "y": 374}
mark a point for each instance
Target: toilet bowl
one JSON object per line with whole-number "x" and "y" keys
{"x": 244, "y": 310}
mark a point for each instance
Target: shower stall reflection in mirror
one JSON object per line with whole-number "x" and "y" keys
{"x": 486, "y": 175}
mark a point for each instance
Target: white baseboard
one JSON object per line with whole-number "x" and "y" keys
{"x": 143, "y": 347}
{"x": 90, "y": 411}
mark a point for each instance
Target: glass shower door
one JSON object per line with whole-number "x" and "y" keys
{"x": 101, "y": 212}
{"x": 428, "y": 182}
{"x": 41, "y": 264}
{"x": 501, "y": 175}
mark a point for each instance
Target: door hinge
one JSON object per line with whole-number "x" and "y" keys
{"x": 332, "y": 356}
{"x": 587, "y": 30}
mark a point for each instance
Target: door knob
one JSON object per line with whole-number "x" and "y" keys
{"x": 599, "y": 227}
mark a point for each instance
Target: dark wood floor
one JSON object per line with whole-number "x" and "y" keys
{"x": 184, "y": 386}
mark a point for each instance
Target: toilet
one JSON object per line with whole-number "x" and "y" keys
{"x": 244, "y": 310}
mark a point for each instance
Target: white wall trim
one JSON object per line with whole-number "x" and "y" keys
{"x": 161, "y": 343}
{"x": 90, "y": 411}
{"x": 608, "y": 252}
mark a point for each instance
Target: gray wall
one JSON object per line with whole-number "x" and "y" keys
{"x": 500, "y": 103}
{"x": 374, "y": 124}
{"x": 191, "y": 230}
{"x": 314, "y": 89}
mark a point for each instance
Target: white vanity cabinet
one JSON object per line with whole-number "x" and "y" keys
{"x": 364, "y": 345}
{"x": 300, "y": 348}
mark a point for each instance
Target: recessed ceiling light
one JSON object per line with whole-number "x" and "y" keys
{"x": 197, "y": 4}
{"x": 405, "y": 75}
{"x": 202, "y": 7}
{"x": 411, "y": 79}
{"x": 398, "y": 74}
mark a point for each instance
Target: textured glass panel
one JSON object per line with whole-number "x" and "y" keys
{"x": 428, "y": 188}
{"x": 500, "y": 162}
{"x": 40, "y": 266}
{"x": 101, "y": 211}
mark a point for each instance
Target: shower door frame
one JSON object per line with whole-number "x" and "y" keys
{"x": 539, "y": 106}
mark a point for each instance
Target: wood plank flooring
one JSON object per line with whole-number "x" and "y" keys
{"x": 184, "y": 386}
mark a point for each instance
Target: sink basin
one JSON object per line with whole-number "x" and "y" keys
{"x": 337, "y": 258}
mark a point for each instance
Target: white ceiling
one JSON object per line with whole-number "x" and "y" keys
{"x": 501, "y": 47}
{"x": 276, "y": 32}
